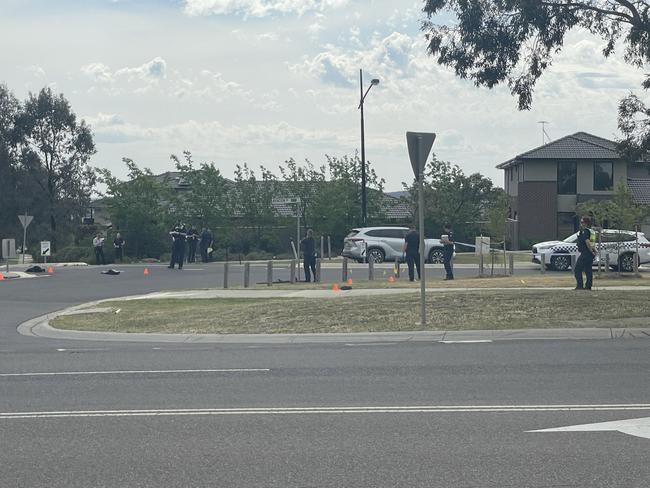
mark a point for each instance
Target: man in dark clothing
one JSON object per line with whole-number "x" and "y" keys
{"x": 587, "y": 249}
{"x": 118, "y": 244}
{"x": 309, "y": 251}
{"x": 205, "y": 243}
{"x": 412, "y": 251}
{"x": 448, "y": 251}
{"x": 178, "y": 247}
{"x": 192, "y": 242}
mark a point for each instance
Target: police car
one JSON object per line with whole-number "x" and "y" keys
{"x": 620, "y": 245}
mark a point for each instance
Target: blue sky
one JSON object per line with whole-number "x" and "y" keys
{"x": 262, "y": 81}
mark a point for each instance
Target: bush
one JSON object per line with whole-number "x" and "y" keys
{"x": 73, "y": 254}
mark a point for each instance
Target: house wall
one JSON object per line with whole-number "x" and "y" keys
{"x": 585, "y": 183}
{"x": 537, "y": 208}
{"x": 540, "y": 171}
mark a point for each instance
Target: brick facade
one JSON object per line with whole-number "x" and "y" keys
{"x": 537, "y": 210}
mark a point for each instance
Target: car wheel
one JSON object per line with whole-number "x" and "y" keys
{"x": 561, "y": 263}
{"x": 436, "y": 256}
{"x": 376, "y": 254}
{"x": 626, "y": 263}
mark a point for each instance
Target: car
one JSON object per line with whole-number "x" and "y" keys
{"x": 620, "y": 245}
{"x": 385, "y": 244}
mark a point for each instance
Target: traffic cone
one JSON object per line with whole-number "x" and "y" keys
{"x": 335, "y": 287}
{"x": 50, "y": 270}
{"x": 349, "y": 281}
{"x": 146, "y": 271}
{"x": 2, "y": 277}
{"x": 391, "y": 279}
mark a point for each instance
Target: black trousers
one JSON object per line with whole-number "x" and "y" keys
{"x": 584, "y": 264}
{"x": 310, "y": 264}
{"x": 204, "y": 252}
{"x": 118, "y": 254}
{"x": 99, "y": 255}
{"x": 448, "y": 254}
{"x": 178, "y": 255}
{"x": 413, "y": 259}
{"x": 191, "y": 252}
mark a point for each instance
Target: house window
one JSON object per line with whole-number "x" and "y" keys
{"x": 566, "y": 177}
{"x": 603, "y": 176}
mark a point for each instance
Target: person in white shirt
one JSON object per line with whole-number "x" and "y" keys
{"x": 98, "y": 244}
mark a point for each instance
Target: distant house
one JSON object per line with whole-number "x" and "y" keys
{"x": 546, "y": 184}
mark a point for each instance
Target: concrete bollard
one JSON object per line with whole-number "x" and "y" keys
{"x": 329, "y": 248}
{"x": 573, "y": 261}
{"x": 318, "y": 268}
{"x": 511, "y": 264}
{"x": 247, "y": 275}
{"x": 292, "y": 271}
{"x": 635, "y": 266}
{"x": 225, "y": 274}
{"x": 322, "y": 247}
{"x": 542, "y": 263}
{"x": 371, "y": 269}
{"x": 344, "y": 273}
{"x": 269, "y": 273}
{"x": 480, "y": 265}
{"x": 607, "y": 263}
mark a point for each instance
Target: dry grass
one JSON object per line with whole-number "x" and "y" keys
{"x": 479, "y": 309}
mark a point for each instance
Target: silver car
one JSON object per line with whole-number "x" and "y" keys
{"x": 385, "y": 244}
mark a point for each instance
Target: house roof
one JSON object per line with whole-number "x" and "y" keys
{"x": 575, "y": 146}
{"x": 640, "y": 190}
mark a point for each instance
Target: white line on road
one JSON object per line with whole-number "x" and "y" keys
{"x": 153, "y": 371}
{"x": 466, "y": 342}
{"x": 322, "y": 410}
{"x": 362, "y": 344}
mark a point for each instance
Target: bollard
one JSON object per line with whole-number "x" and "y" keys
{"x": 397, "y": 270}
{"x": 329, "y": 248}
{"x": 480, "y": 265}
{"x": 511, "y": 264}
{"x": 573, "y": 262}
{"x": 371, "y": 269}
{"x": 542, "y": 261}
{"x": 607, "y": 263}
{"x": 636, "y": 265}
{"x": 318, "y": 263}
{"x": 247, "y": 275}
{"x": 344, "y": 274}
{"x": 322, "y": 247}
{"x": 225, "y": 274}
{"x": 269, "y": 273}
{"x": 292, "y": 271}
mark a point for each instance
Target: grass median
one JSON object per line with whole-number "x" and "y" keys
{"x": 447, "y": 310}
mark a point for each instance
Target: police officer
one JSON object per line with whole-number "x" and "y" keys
{"x": 192, "y": 242}
{"x": 178, "y": 246}
{"x": 412, "y": 251}
{"x": 448, "y": 251}
{"x": 309, "y": 251}
{"x": 205, "y": 243}
{"x": 587, "y": 249}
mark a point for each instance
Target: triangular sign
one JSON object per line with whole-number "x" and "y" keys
{"x": 25, "y": 220}
{"x": 419, "y": 145}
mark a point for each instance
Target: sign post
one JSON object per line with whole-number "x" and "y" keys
{"x": 46, "y": 250}
{"x": 25, "y": 220}
{"x": 419, "y": 146}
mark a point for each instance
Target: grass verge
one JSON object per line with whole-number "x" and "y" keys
{"x": 473, "y": 310}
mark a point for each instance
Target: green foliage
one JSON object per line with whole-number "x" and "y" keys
{"x": 619, "y": 213}
{"x": 142, "y": 209}
{"x": 496, "y": 215}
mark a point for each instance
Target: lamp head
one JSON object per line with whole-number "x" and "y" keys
{"x": 374, "y": 81}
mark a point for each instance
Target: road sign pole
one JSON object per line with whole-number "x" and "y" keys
{"x": 423, "y": 310}
{"x": 24, "y": 239}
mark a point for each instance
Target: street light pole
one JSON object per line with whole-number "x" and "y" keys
{"x": 364, "y": 197}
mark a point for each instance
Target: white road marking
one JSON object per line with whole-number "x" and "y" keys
{"x": 153, "y": 371}
{"x": 84, "y": 350}
{"x": 319, "y": 410}
{"x": 636, "y": 427}
{"x": 371, "y": 344}
{"x": 466, "y": 342}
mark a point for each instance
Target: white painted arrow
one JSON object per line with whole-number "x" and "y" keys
{"x": 635, "y": 427}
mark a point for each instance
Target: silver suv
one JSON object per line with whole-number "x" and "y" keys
{"x": 385, "y": 244}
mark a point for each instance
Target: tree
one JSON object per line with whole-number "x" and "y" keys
{"x": 514, "y": 41}
{"x": 141, "y": 208}
{"x": 619, "y": 213}
{"x": 55, "y": 151}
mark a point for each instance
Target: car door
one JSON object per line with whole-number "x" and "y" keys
{"x": 395, "y": 239}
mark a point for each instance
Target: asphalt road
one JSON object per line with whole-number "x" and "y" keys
{"x": 108, "y": 414}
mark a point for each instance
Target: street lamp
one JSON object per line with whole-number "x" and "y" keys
{"x": 364, "y": 199}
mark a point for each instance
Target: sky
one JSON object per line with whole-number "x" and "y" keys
{"x": 262, "y": 81}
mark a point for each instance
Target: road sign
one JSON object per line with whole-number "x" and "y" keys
{"x": 285, "y": 201}
{"x": 25, "y": 220}
{"x": 45, "y": 248}
{"x": 419, "y": 144}
{"x": 8, "y": 248}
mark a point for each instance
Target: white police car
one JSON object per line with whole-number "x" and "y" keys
{"x": 620, "y": 245}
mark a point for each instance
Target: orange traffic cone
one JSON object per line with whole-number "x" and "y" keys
{"x": 391, "y": 279}
{"x": 50, "y": 270}
{"x": 2, "y": 277}
{"x": 349, "y": 281}
{"x": 146, "y": 271}
{"x": 335, "y": 287}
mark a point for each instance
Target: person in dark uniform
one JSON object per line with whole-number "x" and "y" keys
{"x": 205, "y": 243}
{"x": 587, "y": 249}
{"x": 448, "y": 251}
{"x": 178, "y": 247}
{"x": 412, "y": 251}
{"x": 118, "y": 244}
{"x": 309, "y": 251}
{"x": 192, "y": 242}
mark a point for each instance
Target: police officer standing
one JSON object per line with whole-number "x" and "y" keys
{"x": 412, "y": 251}
{"x": 205, "y": 243}
{"x": 178, "y": 246}
{"x": 448, "y": 251}
{"x": 192, "y": 242}
{"x": 309, "y": 251}
{"x": 587, "y": 249}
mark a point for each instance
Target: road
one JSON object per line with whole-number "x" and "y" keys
{"x": 108, "y": 414}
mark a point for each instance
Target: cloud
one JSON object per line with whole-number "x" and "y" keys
{"x": 259, "y": 8}
{"x": 138, "y": 79}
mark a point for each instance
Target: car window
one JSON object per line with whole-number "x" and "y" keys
{"x": 572, "y": 238}
{"x": 353, "y": 233}
{"x": 396, "y": 233}
{"x": 618, "y": 236}
{"x": 378, "y": 233}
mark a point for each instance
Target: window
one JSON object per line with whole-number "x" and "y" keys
{"x": 566, "y": 177}
{"x": 395, "y": 233}
{"x": 603, "y": 176}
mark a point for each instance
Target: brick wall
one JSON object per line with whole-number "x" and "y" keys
{"x": 537, "y": 208}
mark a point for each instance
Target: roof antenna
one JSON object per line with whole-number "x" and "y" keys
{"x": 544, "y": 133}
